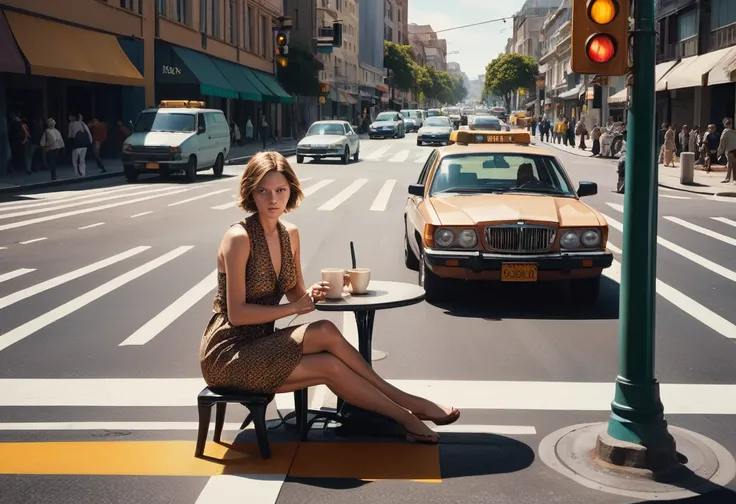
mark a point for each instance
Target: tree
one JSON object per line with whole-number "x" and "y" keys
{"x": 301, "y": 76}
{"x": 399, "y": 59}
{"x": 459, "y": 92}
{"x": 509, "y": 72}
{"x": 446, "y": 88}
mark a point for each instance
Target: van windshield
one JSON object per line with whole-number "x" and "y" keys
{"x": 156, "y": 121}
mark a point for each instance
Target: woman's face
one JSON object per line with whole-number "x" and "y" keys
{"x": 272, "y": 194}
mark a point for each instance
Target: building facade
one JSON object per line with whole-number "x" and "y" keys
{"x": 120, "y": 56}
{"x": 373, "y": 89}
{"x": 696, "y": 61}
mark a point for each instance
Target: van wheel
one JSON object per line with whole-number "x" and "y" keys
{"x": 219, "y": 166}
{"x": 346, "y": 156}
{"x": 191, "y": 169}
{"x": 130, "y": 174}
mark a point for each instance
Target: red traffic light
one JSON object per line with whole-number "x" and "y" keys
{"x": 601, "y": 48}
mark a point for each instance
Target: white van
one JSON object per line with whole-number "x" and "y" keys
{"x": 179, "y": 136}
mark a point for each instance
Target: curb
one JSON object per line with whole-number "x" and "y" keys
{"x": 60, "y": 182}
{"x": 239, "y": 160}
{"x": 682, "y": 189}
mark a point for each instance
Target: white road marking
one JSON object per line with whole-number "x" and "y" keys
{"x": 33, "y": 240}
{"x": 23, "y": 331}
{"x": 141, "y": 214}
{"x": 88, "y": 202}
{"x": 725, "y": 221}
{"x": 684, "y": 303}
{"x": 678, "y": 398}
{"x": 616, "y": 206}
{"x": 692, "y": 256}
{"x": 343, "y": 195}
{"x": 3, "y": 248}
{"x": 304, "y": 179}
{"x": 421, "y": 159}
{"x": 124, "y": 426}
{"x": 172, "y": 312}
{"x": 68, "y": 277}
{"x": 14, "y": 274}
{"x": 702, "y": 230}
{"x": 381, "y": 201}
{"x": 51, "y": 217}
{"x": 399, "y": 157}
{"x": 613, "y": 248}
{"x": 231, "y": 489}
{"x": 376, "y": 154}
{"x": 92, "y": 225}
{"x": 34, "y": 203}
{"x": 316, "y": 187}
{"x": 673, "y": 197}
{"x": 232, "y": 204}
{"x": 194, "y": 198}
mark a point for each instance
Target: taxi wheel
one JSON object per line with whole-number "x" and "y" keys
{"x": 432, "y": 284}
{"x": 585, "y": 290}
{"x": 410, "y": 260}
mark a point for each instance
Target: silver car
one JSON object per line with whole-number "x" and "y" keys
{"x": 435, "y": 130}
{"x": 335, "y": 139}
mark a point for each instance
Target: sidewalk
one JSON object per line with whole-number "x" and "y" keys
{"x": 114, "y": 166}
{"x": 703, "y": 183}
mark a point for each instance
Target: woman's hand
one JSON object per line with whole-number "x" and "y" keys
{"x": 304, "y": 304}
{"x": 346, "y": 280}
{"x": 319, "y": 291}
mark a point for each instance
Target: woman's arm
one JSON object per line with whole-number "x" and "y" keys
{"x": 299, "y": 289}
{"x": 235, "y": 250}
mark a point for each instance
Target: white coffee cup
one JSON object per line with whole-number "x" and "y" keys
{"x": 336, "y": 279}
{"x": 360, "y": 278}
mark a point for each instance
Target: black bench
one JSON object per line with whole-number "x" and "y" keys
{"x": 256, "y": 404}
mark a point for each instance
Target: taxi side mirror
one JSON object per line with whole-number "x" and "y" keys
{"x": 416, "y": 189}
{"x": 587, "y": 189}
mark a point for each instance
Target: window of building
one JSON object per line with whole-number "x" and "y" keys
{"x": 215, "y": 23}
{"x": 723, "y": 13}
{"x": 233, "y": 22}
{"x": 181, "y": 11}
{"x": 161, "y": 8}
{"x": 246, "y": 27}
{"x": 389, "y": 11}
{"x": 338, "y": 5}
{"x": 132, "y": 5}
{"x": 687, "y": 25}
{"x": 263, "y": 47}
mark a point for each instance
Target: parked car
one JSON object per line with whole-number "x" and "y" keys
{"x": 329, "y": 139}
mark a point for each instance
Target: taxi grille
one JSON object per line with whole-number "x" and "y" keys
{"x": 519, "y": 238}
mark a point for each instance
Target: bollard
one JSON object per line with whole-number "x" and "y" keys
{"x": 687, "y": 167}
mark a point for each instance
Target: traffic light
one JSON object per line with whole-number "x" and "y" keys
{"x": 282, "y": 49}
{"x": 600, "y": 37}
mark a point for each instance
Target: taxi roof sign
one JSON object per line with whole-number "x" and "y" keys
{"x": 181, "y": 104}
{"x": 468, "y": 137}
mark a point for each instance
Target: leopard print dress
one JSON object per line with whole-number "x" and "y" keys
{"x": 253, "y": 357}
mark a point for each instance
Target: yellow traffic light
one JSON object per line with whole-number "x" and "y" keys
{"x": 600, "y": 30}
{"x": 282, "y": 62}
{"x": 281, "y": 39}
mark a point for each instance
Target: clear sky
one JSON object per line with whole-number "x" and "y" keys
{"x": 476, "y": 46}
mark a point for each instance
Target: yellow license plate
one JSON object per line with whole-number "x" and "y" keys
{"x": 151, "y": 166}
{"x": 518, "y": 272}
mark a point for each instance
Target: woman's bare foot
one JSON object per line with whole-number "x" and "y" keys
{"x": 418, "y": 430}
{"x": 438, "y": 414}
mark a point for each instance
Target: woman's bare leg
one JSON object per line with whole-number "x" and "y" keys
{"x": 324, "y": 336}
{"x": 326, "y": 368}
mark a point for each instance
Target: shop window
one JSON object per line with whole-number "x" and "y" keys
{"x": 723, "y": 13}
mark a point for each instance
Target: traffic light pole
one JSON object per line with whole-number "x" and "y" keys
{"x": 637, "y": 413}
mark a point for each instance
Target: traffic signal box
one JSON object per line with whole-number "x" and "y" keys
{"x": 600, "y": 37}
{"x": 282, "y": 48}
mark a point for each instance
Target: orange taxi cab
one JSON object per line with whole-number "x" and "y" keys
{"x": 490, "y": 206}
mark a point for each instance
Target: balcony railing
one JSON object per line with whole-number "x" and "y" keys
{"x": 682, "y": 49}
{"x": 722, "y": 37}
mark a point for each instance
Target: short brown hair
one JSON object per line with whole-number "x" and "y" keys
{"x": 257, "y": 168}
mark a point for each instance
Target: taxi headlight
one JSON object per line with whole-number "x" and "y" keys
{"x": 569, "y": 240}
{"x": 467, "y": 238}
{"x": 591, "y": 238}
{"x": 444, "y": 237}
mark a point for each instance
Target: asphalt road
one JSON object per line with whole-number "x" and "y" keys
{"x": 106, "y": 287}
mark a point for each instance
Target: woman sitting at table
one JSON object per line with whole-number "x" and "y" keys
{"x": 258, "y": 263}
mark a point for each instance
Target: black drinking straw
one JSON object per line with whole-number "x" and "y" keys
{"x": 352, "y": 254}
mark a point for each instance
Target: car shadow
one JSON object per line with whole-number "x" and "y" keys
{"x": 545, "y": 300}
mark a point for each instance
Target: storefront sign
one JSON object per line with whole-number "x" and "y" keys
{"x": 170, "y": 70}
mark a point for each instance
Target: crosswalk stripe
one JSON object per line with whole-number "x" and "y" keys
{"x": 725, "y": 221}
{"x": 172, "y": 312}
{"x": 225, "y": 206}
{"x": 684, "y": 303}
{"x": 316, "y": 187}
{"x": 23, "y": 331}
{"x": 90, "y": 226}
{"x": 381, "y": 201}
{"x": 399, "y": 157}
{"x": 616, "y": 206}
{"x": 343, "y": 195}
{"x": 702, "y": 230}
{"x": 692, "y": 256}
{"x": 68, "y": 277}
{"x": 673, "y": 197}
{"x": 421, "y": 159}
{"x": 34, "y": 203}
{"x": 141, "y": 214}
{"x": 15, "y": 274}
{"x": 34, "y": 240}
{"x": 51, "y": 217}
{"x": 71, "y": 205}
{"x": 376, "y": 154}
{"x": 195, "y": 198}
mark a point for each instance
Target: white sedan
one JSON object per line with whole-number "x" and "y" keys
{"x": 329, "y": 139}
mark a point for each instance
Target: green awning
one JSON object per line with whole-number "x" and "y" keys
{"x": 276, "y": 91}
{"x": 237, "y": 75}
{"x": 211, "y": 81}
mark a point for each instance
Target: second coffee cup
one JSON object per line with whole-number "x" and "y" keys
{"x": 360, "y": 278}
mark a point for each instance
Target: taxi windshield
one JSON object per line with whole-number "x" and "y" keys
{"x": 326, "y": 129}
{"x": 500, "y": 173}
{"x": 157, "y": 121}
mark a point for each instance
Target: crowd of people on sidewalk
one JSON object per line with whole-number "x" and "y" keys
{"x": 567, "y": 132}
